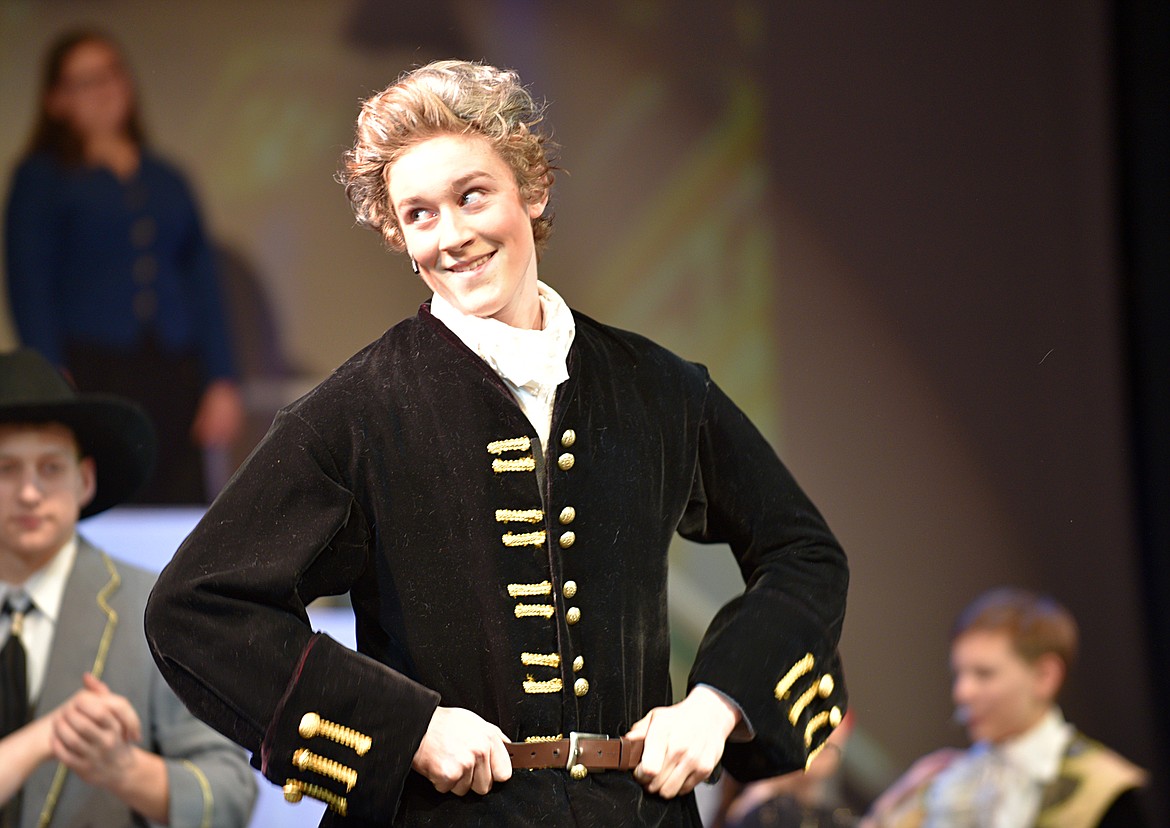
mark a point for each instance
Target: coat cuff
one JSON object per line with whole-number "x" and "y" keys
{"x": 191, "y": 800}
{"x": 792, "y": 691}
{"x": 346, "y": 731}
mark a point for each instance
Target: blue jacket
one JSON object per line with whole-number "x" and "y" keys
{"x": 95, "y": 259}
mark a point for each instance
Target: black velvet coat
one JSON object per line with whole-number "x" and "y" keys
{"x": 530, "y": 589}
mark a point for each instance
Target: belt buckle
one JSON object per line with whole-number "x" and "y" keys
{"x": 575, "y": 746}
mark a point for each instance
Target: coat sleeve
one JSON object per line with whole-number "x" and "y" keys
{"x": 227, "y": 626}
{"x": 773, "y": 649}
{"x": 209, "y": 779}
{"x": 33, "y": 257}
{"x": 202, "y": 274}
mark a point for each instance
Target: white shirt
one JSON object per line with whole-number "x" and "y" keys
{"x": 46, "y": 588}
{"x": 532, "y": 363}
{"x": 1000, "y": 786}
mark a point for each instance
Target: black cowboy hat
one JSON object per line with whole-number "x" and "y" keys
{"x": 114, "y": 431}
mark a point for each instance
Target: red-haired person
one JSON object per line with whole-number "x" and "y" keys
{"x": 1010, "y": 653}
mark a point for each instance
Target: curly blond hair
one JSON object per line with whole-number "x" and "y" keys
{"x": 447, "y": 97}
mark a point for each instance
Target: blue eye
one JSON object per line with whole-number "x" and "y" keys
{"x": 472, "y": 196}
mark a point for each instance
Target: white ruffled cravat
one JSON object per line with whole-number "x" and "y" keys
{"x": 532, "y": 362}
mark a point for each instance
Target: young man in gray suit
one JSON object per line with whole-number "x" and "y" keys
{"x": 90, "y": 734}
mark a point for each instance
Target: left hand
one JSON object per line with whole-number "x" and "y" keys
{"x": 94, "y": 735}
{"x": 220, "y": 417}
{"x": 683, "y": 743}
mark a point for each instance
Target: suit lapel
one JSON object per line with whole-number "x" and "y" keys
{"x": 84, "y": 633}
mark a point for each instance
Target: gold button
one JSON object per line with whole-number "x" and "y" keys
{"x": 144, "y": 270}
{"x": 568, "y": 515}
{"x": 826, "y": 686}
{"x": 292, "y": 792}
{"x": 568, "y": 539}
{"x": 569, "y": 589}
{"x": 578, "y": 771}
{"x": 565, "y": 461}
{"x": 308, "y": 726}
{"x": 142, "y": 232}
{"x": 578, "y": 664}
{"x": 145, "y": 305}
{"x": 835, "y": 716}
{"x": 568, "y": 438}
{"x": 573, "y": 615}
{"x": 580, "y": 687}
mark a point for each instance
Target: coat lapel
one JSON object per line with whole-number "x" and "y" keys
{"x": 85, "y": 630}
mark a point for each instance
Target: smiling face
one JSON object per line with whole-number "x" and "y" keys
{"x": 44, "y": 485}
{"x": 465, "y": 223}
{"x": 998, "y": 694}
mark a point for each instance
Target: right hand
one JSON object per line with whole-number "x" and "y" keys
{"x": 462, "y": 752}
{"x": 219, "y": 419}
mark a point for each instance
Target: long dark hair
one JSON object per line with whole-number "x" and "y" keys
{"x": 56, "y": 137}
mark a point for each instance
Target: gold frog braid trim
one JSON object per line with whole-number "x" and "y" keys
{"x": 798, "y": 669}
{"x": 295, "y": 789}
{"x": 519, "y": 515}
{"x": 523, "y": 539}
{"x": 307, "y": 760}
{"x": 540, "y": 659}
{"x": 556, "y": 738}
{"x": 513, "y": 444}
{"x": 524, "y": 464}
{"x": 550, "y": 686}
{"x": 534, "y": 610}
{"x": 528, "y": 590}
{"x": 313, "y": 725}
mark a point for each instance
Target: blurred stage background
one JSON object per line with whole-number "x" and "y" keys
{"x": 890, "y": 230}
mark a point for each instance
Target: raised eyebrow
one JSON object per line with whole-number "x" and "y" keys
{"x": 460, "y": 183}
{"x": 404, "y": 206}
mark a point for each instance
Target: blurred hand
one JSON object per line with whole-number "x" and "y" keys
{"x": 220, "y": 417}
{"x": 683, "y": 743}
{"x": 95, "y": 734}
{"x": 895, "y": 797}
{"x": 462, "y": 752}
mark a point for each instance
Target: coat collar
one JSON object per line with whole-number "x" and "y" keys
{"x": 84, "y": 633}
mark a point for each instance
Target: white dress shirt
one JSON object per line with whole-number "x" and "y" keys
{"x": 46, "y": 588}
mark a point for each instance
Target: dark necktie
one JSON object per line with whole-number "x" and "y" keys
{"x": 13, "y": 686}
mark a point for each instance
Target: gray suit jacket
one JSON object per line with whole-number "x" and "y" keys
{"x": 100, "y": 630}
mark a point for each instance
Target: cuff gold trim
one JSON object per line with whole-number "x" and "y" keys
{"x": 307, "y": 760}
{"x": 313, "y": 725}
{"x": 294, "y": 790}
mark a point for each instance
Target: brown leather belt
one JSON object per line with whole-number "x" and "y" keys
{"x": 580, "y": 753}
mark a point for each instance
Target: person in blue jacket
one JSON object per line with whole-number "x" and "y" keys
{"x": 110, "y": 274}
